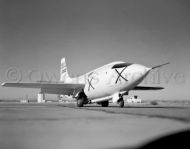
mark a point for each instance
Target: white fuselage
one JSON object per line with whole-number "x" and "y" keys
{"x": 106, "y": 81}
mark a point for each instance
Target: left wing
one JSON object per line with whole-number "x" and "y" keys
{"x": 147, "y": 88}
{"x": 51, "y": 88}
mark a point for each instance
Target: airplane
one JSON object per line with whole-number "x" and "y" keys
{"x": 109, "y": 82}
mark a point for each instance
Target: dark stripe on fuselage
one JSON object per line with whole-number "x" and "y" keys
{"x": 121, "y": 65}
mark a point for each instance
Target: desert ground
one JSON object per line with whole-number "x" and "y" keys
{"x": 63, "y": 125}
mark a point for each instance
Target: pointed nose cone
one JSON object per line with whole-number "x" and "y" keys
{"x": 141, "y": 69}
{"x": 138, "y": 72}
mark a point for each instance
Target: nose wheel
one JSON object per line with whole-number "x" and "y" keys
{"x": 121, "y": 102}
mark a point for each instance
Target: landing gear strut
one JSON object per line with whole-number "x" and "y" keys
{"x": 121, "y": 102}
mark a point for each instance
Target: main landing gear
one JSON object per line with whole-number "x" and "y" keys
{"x": 105, "y": 103}
{"x": 81, "y": 99}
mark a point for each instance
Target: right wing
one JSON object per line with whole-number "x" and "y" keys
{"x": 51, "y": 88}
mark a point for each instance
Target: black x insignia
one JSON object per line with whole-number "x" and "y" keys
{"x": 90, "y": 84}
{"x": 119, "y": 75}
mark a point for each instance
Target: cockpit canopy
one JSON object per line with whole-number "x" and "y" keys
{"x": 121, "y": 65}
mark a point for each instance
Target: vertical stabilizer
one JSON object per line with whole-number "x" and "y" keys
{"x": 64, "y": 77}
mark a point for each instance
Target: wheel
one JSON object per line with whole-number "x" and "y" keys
{"x": 105, "y": 103}
{"x": 121, "y": 102}
{"x": 81, "y": 99}
{"x": 80, "y": 102}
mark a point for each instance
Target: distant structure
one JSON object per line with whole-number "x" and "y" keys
{"x": 66, "y": 99}
{"x": 41, "y": 98}
{"x": 134, "y": 99}
{"x": 24, "y": 100}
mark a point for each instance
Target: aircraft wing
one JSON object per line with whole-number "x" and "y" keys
{"x": 147, "y": 88}
{"x": 51, "y": 88}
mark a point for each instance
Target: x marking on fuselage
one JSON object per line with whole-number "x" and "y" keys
{"x": 90, "y": 84}
{"x": 120, "y": 75}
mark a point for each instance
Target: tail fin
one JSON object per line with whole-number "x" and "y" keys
{"x": 64, "y": 76}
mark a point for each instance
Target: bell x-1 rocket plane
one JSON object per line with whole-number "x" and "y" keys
{"x": 109, "y": 82}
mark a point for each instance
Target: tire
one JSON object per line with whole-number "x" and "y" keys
{"x": 81, "y": 99}
{"x": 105, "y": 103}
{"x": 80, "y": 102}
{"x": 121, "y": 102}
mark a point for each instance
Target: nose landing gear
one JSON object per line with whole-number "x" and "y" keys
{"x": 121, "y": 102}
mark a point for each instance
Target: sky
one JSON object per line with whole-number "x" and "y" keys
{"x": 35, "y": 35}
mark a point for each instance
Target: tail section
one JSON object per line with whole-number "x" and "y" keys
{"x": 64, "y": 76}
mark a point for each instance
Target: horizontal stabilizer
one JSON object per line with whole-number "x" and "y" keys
{"x": 147, "y": 88}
